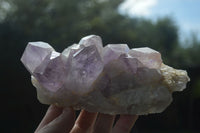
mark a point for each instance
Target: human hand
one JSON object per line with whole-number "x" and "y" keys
{"x": 62, "y": 120}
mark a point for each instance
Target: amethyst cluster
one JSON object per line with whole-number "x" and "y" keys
{"x": 112, "y": 79}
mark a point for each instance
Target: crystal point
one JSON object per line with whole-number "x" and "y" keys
{"x": 34, "y": 54}
{"x": 86, "y": 65}
{"x": 52, "y": 72}
{"x": 92, "y": 40}
{"x": 149, "y": 57}
{"x": 113, "y": 51}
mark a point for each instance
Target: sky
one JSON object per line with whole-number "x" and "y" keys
{"x": 186, "y": 13}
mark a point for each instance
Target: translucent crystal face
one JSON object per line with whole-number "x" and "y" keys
{"x": 149, "y": 57}
{"x": 85, "y": 67}
{"x": 71, "y": 50}
{"x": 113, "y": 51}
{"x": 131, "y": 63}
{"x": 111, "y": 80}
{"x": 92, "y": 40}
{"x": 34, "y": 54}
{"x": 52, "y": 72}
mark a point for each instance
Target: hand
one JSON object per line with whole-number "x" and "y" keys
{"x": 62, "y": 120}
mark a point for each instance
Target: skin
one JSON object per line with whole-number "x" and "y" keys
{"x": 63, "y": 120}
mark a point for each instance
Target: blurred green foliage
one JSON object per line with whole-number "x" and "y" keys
{"x": 62, "y": 23}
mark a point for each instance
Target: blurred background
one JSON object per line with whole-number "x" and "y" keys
{"x": 171, "y": 27}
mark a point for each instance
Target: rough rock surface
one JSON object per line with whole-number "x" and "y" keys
{"x": 112, "y": 79}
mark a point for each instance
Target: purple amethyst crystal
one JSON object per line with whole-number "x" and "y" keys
{"x": 34, "y": 55}
{"x": 112, "y": 79}
{"x": 149, "y": 57}
{"x": 113, "y": 51}
{"x": 52, "y": 72}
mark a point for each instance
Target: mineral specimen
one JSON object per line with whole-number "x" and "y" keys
{"x": 112, "y": 79}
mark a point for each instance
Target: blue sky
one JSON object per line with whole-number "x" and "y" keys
{"x": 186, "y": 13}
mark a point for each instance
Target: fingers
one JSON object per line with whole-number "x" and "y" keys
{"x": 52, "y": 112}
{"x": 62, "y": 124}
{"x": 62, "y": 120}
{"x": 104, "y": 123}
{"x": 124, "y": 124}
{"x": 84, "y": 122}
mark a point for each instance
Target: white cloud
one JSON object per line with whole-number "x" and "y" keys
{"x": 137, "y": 7}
